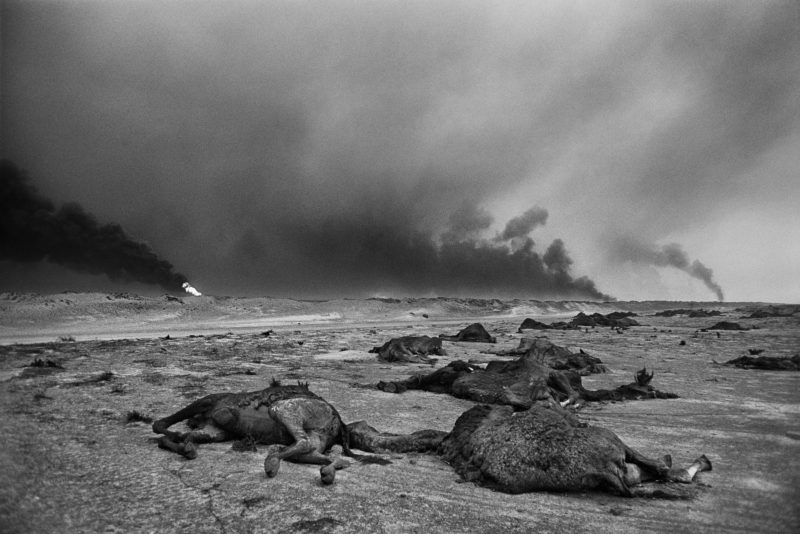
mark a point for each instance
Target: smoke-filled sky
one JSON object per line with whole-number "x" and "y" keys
{"x": 634, "y": 149}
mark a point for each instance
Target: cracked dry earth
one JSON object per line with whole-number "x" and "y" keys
{"x": 70, "y": 460}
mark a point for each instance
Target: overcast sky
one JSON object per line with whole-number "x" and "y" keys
{"x": 638, "y": 149}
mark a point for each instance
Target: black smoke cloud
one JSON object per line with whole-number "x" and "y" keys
{"x": 371, "y": 254}
{"x": 524, "y": 224}
{"x": 33, "y": 230}
{"x": 467, "y": 222}
{"x": 376, "y": 255}
{"x": 669, "y": 255}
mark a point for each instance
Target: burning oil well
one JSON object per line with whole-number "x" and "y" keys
{"x": 33, "y": 229}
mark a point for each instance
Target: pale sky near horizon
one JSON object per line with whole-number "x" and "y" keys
{"x": 293, "y": 148}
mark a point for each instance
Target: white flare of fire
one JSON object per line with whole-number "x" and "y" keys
{"x": 192, "y": 291}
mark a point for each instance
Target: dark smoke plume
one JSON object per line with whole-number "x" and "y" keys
{"x": 670, "y": 255}
{"x": 376, "y": 254}
{"x": 467, "y": 222}
{"x": 524, "y": 224}
{"x": 32, "y": 230}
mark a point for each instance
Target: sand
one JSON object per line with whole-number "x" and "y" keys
{"x": 70, "y": 462}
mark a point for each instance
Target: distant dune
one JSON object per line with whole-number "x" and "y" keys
{"x": 35, "y": 317}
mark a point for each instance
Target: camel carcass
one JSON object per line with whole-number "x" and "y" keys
{"x": 294, "y": 422}
{"x": 544, "y": 448}
{"x": 523, "y": 381}
{"x": 475, "y": 333}
{"x": 413, "y": 349}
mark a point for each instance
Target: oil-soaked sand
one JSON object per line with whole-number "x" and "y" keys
{"x": 69, "y": 463}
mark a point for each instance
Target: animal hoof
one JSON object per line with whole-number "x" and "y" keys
{"x": 271, "y": 466}
{"x": 703, "y": 463}
{"x": 327, "y": 473}
{"x": 189, "y": 451}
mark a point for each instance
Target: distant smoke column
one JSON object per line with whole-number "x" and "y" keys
{"x": 670, "y": 255}
{"x": 698, "y": 270}
{"x": 31, "y": 229}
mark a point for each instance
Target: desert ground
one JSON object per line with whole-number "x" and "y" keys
{"x": 74, "y": 460}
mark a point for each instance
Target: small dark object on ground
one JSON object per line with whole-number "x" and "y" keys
{"x": 99, "y": 378}
{"x": 727, "y": 325}
{"x": 41, "y": 395}
{"x": 755, "y": 352}
{"x": 135, "y": 417}
{"x": 38, "y": 362}
{"x": 321, "y": 525}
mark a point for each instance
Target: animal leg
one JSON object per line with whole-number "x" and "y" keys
{"x": 313, "y": 425}
{"x": 197, "y": 407}
{"x": 272, "y": 463}
{"x": 186, "y": 449}
{"x": 635, "y": 475}
{"x": 612, "y": 481}
{"x": 329, "y": 467}
{"x": 652, "y": 467}
{"x": 687, "y": 475}
{"x": 327, "y": 473}
{"x": 184, "y": 443}
{"x": 559, "y": 381}
{"x": 302, "y": 445}
{"x": 276, "y": 453}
